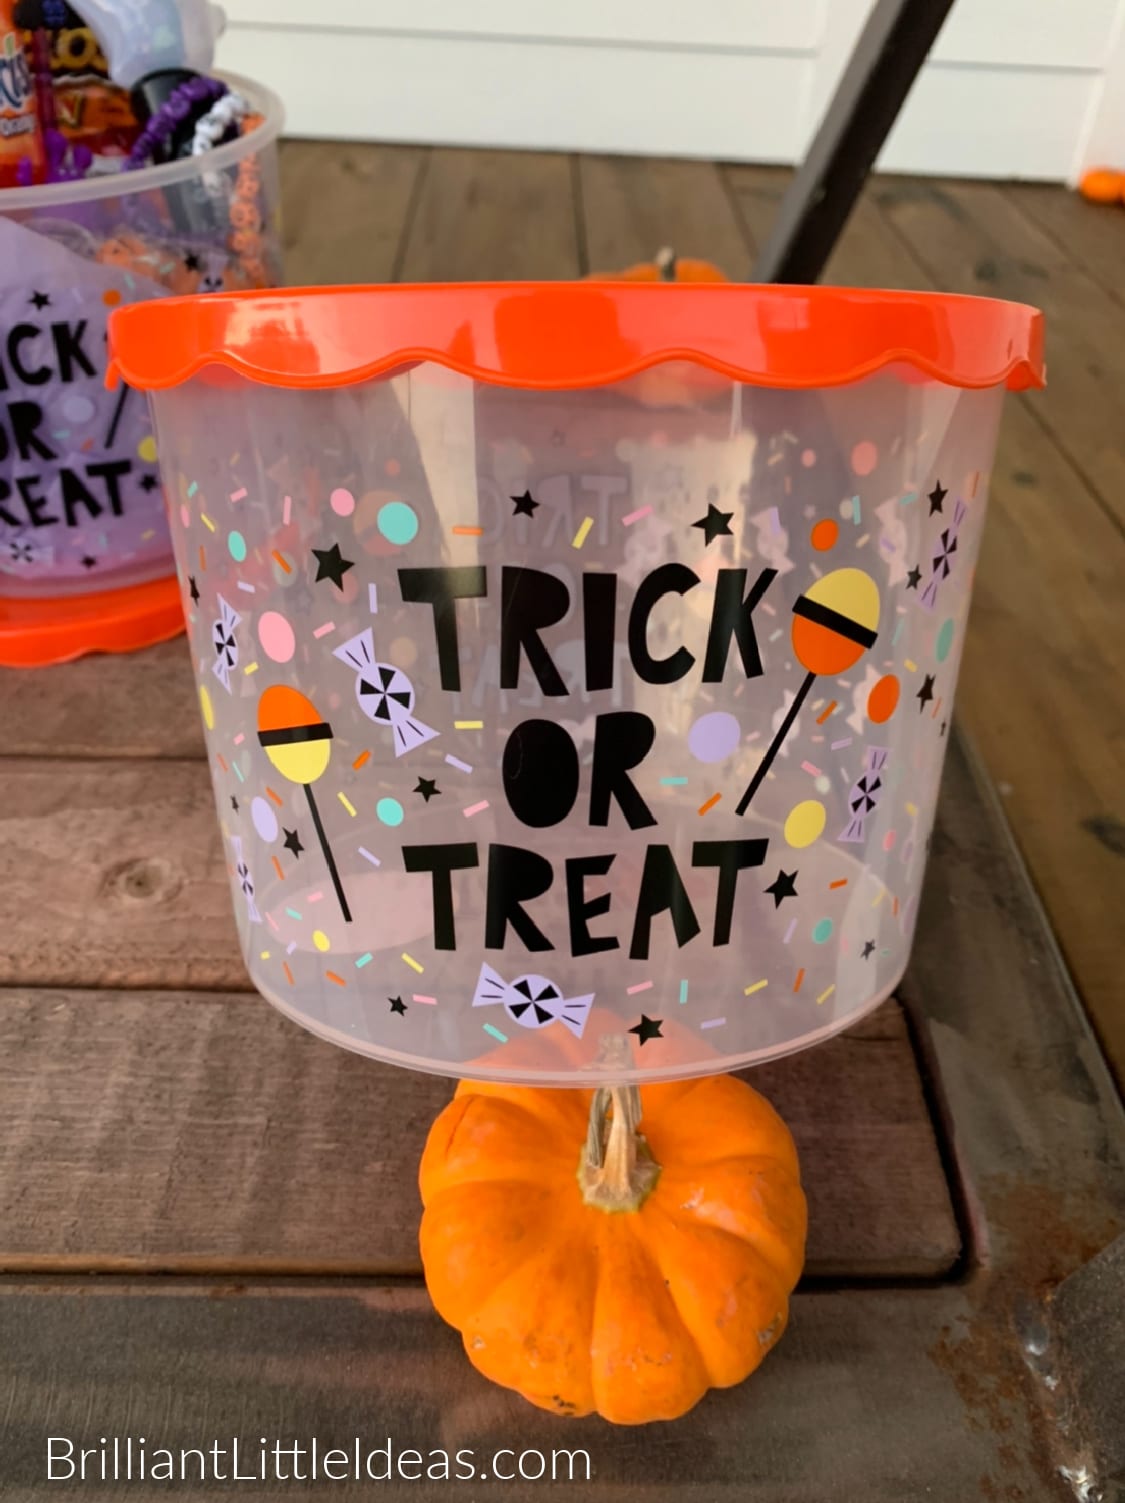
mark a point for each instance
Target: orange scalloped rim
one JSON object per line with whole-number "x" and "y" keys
{"x": 551, "y": 336}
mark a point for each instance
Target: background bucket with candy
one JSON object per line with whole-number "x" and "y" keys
{"x": 85, "y": 556}
{"x": 577, "y": 660}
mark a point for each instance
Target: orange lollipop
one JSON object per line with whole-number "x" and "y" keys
{"x": 834, "y": 623}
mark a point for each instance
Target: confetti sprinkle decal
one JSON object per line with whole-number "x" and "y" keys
{"x": 384, "y": 693}
{"x": 276, "y": 636}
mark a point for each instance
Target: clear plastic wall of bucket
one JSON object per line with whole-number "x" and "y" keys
{"x": 574, "y": 704}
{"x": 81, "y": 507}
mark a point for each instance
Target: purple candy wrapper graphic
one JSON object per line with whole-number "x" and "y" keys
{"x": 864, "y": 797}
{"x": 385, "y": 694}
{"x": 246, "y": 881}
{"x": 225, "y": 643}
{"x": 941, "y": 565}
{"x": 532, "y": 1001}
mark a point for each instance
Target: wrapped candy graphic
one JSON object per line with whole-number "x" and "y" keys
{"x": 225, "y": 643}
{"x": 245, "y": 880}
{"x": 532, "y": 1001}
{"x": 941, "y": 564}
{"x": 864, "y": 797}
{"x": 385, "y": 694}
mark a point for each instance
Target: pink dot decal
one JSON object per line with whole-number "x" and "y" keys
{"x": 342, "y": 502}
{"x": 276, "y": 636}
{"x": 808, "y": 458}
{"x": 865, "y": 456}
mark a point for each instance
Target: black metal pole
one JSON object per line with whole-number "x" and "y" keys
{"x": 879, "y": 75}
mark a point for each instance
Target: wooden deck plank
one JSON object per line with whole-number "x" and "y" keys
{"x": 158, "y": 1131}
{"x": 862, "y": 1399}
{"x": 345, "y": 207}
{"x": 633, "y": 206}
{"x": 1093, "y": 235}
{"x": 487, "y": 214}
{"x": 974, "y": 239}
{"x": 1041, "y": 685}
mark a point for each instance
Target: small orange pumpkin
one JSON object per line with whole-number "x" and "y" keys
{"x": 667, "y": 267}
{"x": 662, "y": 1268}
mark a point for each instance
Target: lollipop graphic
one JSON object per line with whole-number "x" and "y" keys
{"x": 834, "y": 622}
{"x": 297, "y": 742}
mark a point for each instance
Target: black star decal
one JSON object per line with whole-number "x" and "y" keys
{"x": 784, "y": 887}
{"x": 397, "y": 1005}
{"x": 715, "y": 524}
{"x": 427, "y": 787}
{"x": 926, "y": 692}
{"x": 936, "y": 497}
{"x": 39, "y": 300}
{"x": 234, "y": 803}
{"x": 193, "y": 589}
{"x": 914, "y": 578}
{"x": 647, "y": 1028}
{"x": 331, "y": 564}
{"x": 292, "y": 842}
{"x": 524, "y": 506}
{"x": 149, "y": 482}
{"x": 191, "y": 261}
{"x": 89, "y": 563}
{"x": 869, "y": 949}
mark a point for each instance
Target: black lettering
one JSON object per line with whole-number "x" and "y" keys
{"x": 5, "y": 495}
{"x": 69, "y": 351}
{"x": 25, "y": 418}
{"x": 730, "y": 857}
{"x": 441, "y": 861}
{"x": 515, "y": 877}
{"x": 38, "y": 375}
{"x": 111, "y": 471}
{"x": 75, "y": 494}
{"x": 668, "y": 579}
{"x": 540, "y": 771}
{"x": 662, "y": 890}
{"x": 731, "y": 616}
{"x": 580, "y": 909}
{"x": 529, "y": 601}
{"x": 622, "y": 740}
{"x": 599, "y": 612}
{"x": 441, "y": 589}
{"x": 26, "y": 485}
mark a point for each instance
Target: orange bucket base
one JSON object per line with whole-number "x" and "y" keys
{"x": 34, "y": 633}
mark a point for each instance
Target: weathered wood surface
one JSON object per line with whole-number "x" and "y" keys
{"x": 862, "y": 1400}
{"x": 158, "y": 1131}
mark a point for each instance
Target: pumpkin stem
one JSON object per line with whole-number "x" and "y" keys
{"x": 666, "y": 263}
{"x": 616, "y": 1172}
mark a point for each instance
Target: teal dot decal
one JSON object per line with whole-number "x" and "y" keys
{"x": 944, "y": 640}
{"x": 237, "y": 545}
{"x": 389, "y": 811}
{"x": 397, "y": 522}
{"x": 823, "y": 932}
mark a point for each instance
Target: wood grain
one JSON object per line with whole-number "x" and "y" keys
{"x": 1093, "y": 235}
{"x": 160, "y": 1131}
{"x": 861, "y": 1400}
{"x": 633, "y": 206}
{"x": 344, "y": 209}
{"x": 1041, "y": 687}
{"x": 492, "y": 214}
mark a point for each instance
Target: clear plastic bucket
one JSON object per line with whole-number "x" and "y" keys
{"x": 577, "y": 662}
{"x": 81, "y": 508}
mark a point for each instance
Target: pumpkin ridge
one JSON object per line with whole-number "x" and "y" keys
{"x": 671, "y": 1267}
{"x": 460, "y": 1156}
{"x": 612, "y": 1232}
{"x": 765, "y": 1235}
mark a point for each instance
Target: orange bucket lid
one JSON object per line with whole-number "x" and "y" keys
{"x": 35, "y": 632}
{"x": 559, "y": 335}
